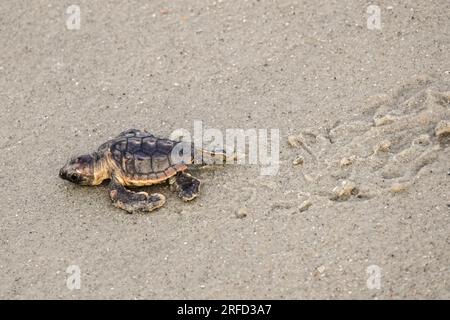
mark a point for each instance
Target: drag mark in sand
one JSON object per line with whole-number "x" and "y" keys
{"x": 383, "y": 149}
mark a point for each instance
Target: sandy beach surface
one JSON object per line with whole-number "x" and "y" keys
{"x": 363, "y": 112}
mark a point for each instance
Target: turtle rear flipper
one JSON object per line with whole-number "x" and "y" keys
{"x": 131, "y": 201}
{"x": 186, "y": 186}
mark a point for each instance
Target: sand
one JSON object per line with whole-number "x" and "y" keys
{"x": 370, "y": 194}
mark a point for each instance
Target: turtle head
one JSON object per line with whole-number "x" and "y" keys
{"x": 80, "y": 170}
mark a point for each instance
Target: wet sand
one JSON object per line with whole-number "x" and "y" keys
{"x": 374, "y": 190}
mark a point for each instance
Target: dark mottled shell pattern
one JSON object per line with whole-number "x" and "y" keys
{"x": 142, "y": 156}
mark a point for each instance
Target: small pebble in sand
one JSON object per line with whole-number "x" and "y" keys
{"x": 241, "y": 213}
{"x": 399, "y": 187}
{"x": 305, "y": 205}
{"x": 296, "y": 140}
{"x": 344, "y": 191}
{"x": 347, "y": 161}
{"x": 383, "y": 146}
{"x": 442, "y": 129}
{"x": 298, "y": 161}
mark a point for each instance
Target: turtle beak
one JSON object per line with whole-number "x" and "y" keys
{"x": 75, "y": 178}
{"x": 63, "y": 174}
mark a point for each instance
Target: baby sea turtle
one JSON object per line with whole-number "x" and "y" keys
{"x": 137, "y": 158}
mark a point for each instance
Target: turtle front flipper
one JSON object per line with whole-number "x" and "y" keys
{"x": 185, "y": 185}
{"x": 131, "y": 201}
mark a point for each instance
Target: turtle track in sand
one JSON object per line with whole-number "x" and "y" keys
{"x": 384, "y": 149}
